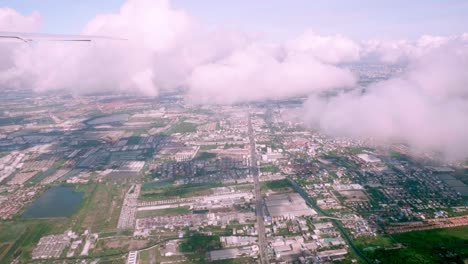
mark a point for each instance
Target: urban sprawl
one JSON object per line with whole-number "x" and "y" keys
{"x": 125, "y": 179}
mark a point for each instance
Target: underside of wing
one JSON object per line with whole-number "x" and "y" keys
{"x": 31, "y": 37}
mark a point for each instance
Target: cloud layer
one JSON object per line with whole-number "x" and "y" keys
{"x": 426, "y": 108}
{"x": 168, "y": 49}
{"x": 259, "y": 72}
{"x": 404, "y": 51}
{"x": 150, "y": 26}
{"x": 12, "y": 21}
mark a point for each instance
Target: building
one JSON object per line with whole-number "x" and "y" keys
{"x": 51, "y": 246}
{"x": 367, "y": 158}
{"x": 128, "y": 169}
{"x": 332, "y": 255}
{"x": 224, "y": 254}
{"x": 236, "y": 241}
{"x": 186, "y": 154}
{"x": 170, "y": 248}
{"x": 132, "y": 257}
{"x": 287, "y": 206}
{"x": 231, "y": 253}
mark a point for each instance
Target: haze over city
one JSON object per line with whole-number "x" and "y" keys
{"x": 355, "y": 111}
{"x": 169, "y": 48}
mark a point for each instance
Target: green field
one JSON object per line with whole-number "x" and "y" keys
{"x": 164, "y": 212}
{"x": 205, "y": 156}
{"x": 3, "y": 248}
{"x": 99, "y": 212}
{"x": 368, "y": 243}
{"x": 448, "y": 245}
{"x": 133, "y": 140}
{"x": 208, "y": 147}
{"x": 100, "y": 209}
{"x": 199, "y": 244}
{"x": 22, "y": 235}
{"x": 143, "y": 256}
{"x": 186, "y": 190}
{"x": 229, "y": 146}
{"x": 277, "y": 186}
{"x": 271, "y": 168}
{"x": 182, "y": 127}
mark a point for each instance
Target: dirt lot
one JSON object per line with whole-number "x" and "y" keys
{"x": 138, "y": 244}
{"x": 354, "y": 196}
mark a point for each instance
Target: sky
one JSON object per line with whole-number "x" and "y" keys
{"x": 279, "y": 19}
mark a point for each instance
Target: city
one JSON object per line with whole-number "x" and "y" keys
{"x": 158, "y": 181}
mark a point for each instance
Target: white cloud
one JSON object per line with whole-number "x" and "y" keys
{"x": 174, "y": 67}
{"x": 403, "y": 51}
{"x": 426, "y": 108}
{"x": 12, "y": 21}
{"x": 260, "y": 72}
{"x": 151, "y": 27}
{"x": 166, "y": 48}
{"x": 328, "y": 49}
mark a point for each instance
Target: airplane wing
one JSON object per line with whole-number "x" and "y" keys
{"x": 31, "y": 37}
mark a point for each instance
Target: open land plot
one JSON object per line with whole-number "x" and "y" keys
{"x": 143, "y": 256}
{"x": 447, "y": 245}
{"x": 136, "y": 244}
{"x": 354, "y": 196}
{"x": 187, "y": 190}
{"x": 243, "y": 260}
{"x": 278, "y": 186}
{"x": 101, "y": 209}
{"x": 4, "y": 248}
{"x": 112, "y": 245}
{"x": 182, "y": 127}
{"x": 150, "y": 256}
{"x": 370, "y": 243}
{"x": 164, "y": 212}
{"x": 23, "y": 235}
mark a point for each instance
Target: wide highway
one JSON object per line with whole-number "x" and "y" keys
{"x": 262, "y": 244}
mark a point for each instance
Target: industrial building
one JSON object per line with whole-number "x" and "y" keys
{"x": 287, "y": 206}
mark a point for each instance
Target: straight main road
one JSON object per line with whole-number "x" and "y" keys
{"x": 258, "y": 196}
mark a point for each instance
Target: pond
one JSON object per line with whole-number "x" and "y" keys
{"x": 61, "y": 201}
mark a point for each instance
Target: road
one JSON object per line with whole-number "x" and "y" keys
{"x": 117, "y": 254}
{"x": 258, "y": 196}
{"x": 334, "y": 218}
